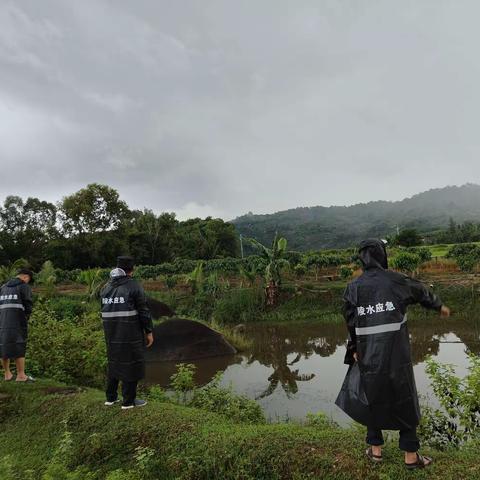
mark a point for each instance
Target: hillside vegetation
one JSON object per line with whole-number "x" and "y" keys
{"x": 310, "y": 228}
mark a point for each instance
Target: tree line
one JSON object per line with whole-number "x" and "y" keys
{"x": 459, "y": 233}
{"x": 92, "y": 226}
{"x": 466, "y": 232}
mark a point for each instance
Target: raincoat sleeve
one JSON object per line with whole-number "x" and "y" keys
{"x": 349, "y": 315}
{"x": 419, "y": 293}
{"x": 143, "y": 311}
{"x": 26, "y": 296}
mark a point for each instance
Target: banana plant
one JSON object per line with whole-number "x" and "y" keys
{"x": 196, "y": 278}
{"x": 94, "y": 281}
{"x": 275, "y": 263}
{"x": 47, "y": 278}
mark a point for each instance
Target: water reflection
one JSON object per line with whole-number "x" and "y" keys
{"x": 273, "y": 344}
{"x": 292, "y": 369}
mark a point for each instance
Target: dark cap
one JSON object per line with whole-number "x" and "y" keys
{"x": 26, "y": 271}
{"x": 125, "y": 263}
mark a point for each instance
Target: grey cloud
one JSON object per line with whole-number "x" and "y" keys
{"x": 223, "y": 107}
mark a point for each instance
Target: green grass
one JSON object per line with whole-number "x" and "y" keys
{"x": 441, "y": 250}
{"x": 187, "y": 443}
{"x": 322, "y": 307}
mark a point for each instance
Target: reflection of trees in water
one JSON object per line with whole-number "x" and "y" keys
{"x": 273, "y": 344}
{"x": 426, "y": 334}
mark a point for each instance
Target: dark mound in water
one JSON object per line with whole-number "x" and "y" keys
{"x": 159, "y": 309}
{"x": 177, "y": 340}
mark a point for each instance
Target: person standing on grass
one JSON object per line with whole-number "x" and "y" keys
{"x": 128, "y": 328}
{"x": 379, "y": 390}
{"x": 15, "y": 309}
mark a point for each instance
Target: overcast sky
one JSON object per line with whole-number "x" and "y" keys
{"x": 220, "y": 107}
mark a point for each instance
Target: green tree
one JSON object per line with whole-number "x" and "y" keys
{"x": 408, "y": 238}
{"x": 95, "y": 208}
{"x": 206, "y": 239}
{"x": 152, "y": 237}
{"x": 25, "y": 228}
{"x": 452, "y": 229}
{"x": 316, "y": 261}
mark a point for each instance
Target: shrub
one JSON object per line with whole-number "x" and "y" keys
{"x": 214, "y": 398}
{"x": 182, "y": 381}
{"x": 147, "y": 272}
{"x": 406, "y": 262}
{"x": 467, "y": 263}
{"x": 300, "y": 269}
{"x": 157, "y": 393}
{"x": 463, "y": 249}
{"x": 459, "y": 418}
{"x": 67, "y": 275}
{"x": 466, "y": 255}
{"x": 71, "y": 352}
{"x": 224, "y": 401}
{"x": 345, "y": 272}
{"x": 294, "y": 258}
{"x": 320, "y": 419}
{"x": 424, "y": 253}
{"x": 171, "y": 281}
{"x": 66, "y": 308}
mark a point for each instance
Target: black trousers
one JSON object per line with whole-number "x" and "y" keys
{"x": 408, "y": 439}
{"x": 129, "y": 391}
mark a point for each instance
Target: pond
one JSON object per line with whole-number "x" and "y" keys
{"x": 297, "y": 368}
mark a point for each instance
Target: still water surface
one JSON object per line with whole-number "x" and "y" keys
{"x": 295, "y": 369}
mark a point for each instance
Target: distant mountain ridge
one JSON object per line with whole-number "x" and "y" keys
{"x": 308, "y": 228}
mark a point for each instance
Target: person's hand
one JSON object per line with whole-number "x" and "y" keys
{"x": 355, "y": 356}
{"x": 445, "y": 311}
{"x": 149, "y": 337}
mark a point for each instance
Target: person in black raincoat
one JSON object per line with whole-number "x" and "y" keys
{"x": 379, "y": 390}
{"x": 128, "y": 328}
{"x": 15, "y": 309}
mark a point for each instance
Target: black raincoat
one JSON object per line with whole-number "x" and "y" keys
{"x": 126, "y": 318}
{"x": 15, "y": 309}
{"x": 379, "y": 390}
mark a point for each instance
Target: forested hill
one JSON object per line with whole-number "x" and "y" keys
{"x": 330, "y": 227}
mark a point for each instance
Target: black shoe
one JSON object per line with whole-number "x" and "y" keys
{"x": 136, "y": 403}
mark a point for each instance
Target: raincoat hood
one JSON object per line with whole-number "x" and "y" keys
{"x": 373, "y": 254}
{"x": 117, "y": 272}
{"x": 118, "y": 277}
{"x": 14, "y": 282}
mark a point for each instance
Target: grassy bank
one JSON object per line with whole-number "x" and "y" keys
{"x": 47, "y": 429}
